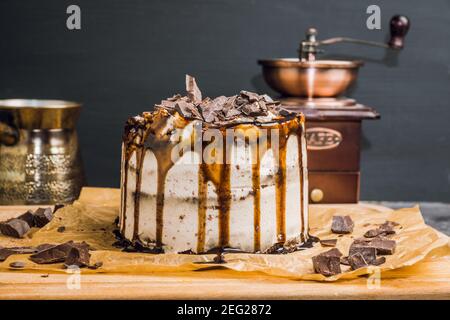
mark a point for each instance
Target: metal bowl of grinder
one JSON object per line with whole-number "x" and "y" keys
{"x": 311, "y": 79}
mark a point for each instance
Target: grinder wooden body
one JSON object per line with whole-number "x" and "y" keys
{"x": 334, "y": 149}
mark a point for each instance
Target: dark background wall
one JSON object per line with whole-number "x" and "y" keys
{"x": 131, "y": 54}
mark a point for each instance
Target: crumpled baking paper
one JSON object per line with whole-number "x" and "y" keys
{"x": 91, "y": 219}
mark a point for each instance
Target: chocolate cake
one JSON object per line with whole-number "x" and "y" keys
{"x": 201, "y": 173}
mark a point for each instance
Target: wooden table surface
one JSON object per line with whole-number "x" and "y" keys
{"x": 429, "y": 279}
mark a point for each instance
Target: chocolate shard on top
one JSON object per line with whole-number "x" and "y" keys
{"x": 247, "y": 107}
{"x": 342, "y": 224}
{"x": 192, "y": 89}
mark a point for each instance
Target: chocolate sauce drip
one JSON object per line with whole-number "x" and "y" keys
{"x": 202, "y": 203}
{"x": 280, "y": 184}
{"x": 140, "y": 154}
{"x": 256, "y": 185}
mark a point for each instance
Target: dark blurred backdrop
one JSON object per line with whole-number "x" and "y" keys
{"x": 131, "y": 54}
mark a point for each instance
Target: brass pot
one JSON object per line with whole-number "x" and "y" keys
{"x": 40, "y": 161}
{"x": 311, "y": 79}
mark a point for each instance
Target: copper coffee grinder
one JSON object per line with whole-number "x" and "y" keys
{"x": 316, "y": 87}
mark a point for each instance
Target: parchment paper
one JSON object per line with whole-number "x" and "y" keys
{"x": 91, "y": 219}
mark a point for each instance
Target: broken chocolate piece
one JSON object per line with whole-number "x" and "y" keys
{"x": 28, "y": 217}
{"x": 369, "y": 253}
{"x": 372, "y": 233}
{"x": 15, "y": 228}
{"x": 17, "y": 265}
{"x": 77, "y": 256}
{"x": 342, "y": 224}
{"x": 328, "y": 263}
{"x": 357, "y": 261}
{"x": 5, "y": 253}
{"x": 384, "y": 229}
{"x": 192, "y": 89}
{"x": 328, "y": 242}
{"x": 42, "y": 216}
{"x": 58, "y": 253}
{"x": 379, "y": 261}
{"x": 247, "y": 107}
{"x": 383, "y": 246}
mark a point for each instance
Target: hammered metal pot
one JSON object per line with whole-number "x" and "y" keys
{"x": 40, "y": 161}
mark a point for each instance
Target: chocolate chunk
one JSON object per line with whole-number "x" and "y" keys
{"x": 328, "y": 242}
{"x": 5, "y": 253}
{"x": 15, "y": 228}
{"x": 192, "y": 89}
{"x": 357, "y": 261}
{"x": 342, "y": 224}
{"x": 372, "y": 233}
{"x": 61, "y": 229}
{"x": 383, "y": 246}
{"x": 328, "y": 263}
{"x": 58, "y": 253}
{"x": 252, "y": 109}
{"x": 187, "y": 110}
{"x": 384, "y": 229}
{"x": 45, "y": 246}
{"x": 388, "y": 227}
{"x": 17, "y": 265}
{"x": 379, "y": 261}
{"x": 78, "y": 256}
{"x": 42, "y": 216}
{"x": 369, "y": 253}
{"x": 28, "y": 217}
{"x": 332, "y": 253}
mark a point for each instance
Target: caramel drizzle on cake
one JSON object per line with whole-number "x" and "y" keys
{"x": 151, "y": 131}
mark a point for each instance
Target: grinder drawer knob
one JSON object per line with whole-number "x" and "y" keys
{"x": 316, "y": 195}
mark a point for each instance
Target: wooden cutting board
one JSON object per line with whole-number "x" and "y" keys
{"x": 429, "y": 279}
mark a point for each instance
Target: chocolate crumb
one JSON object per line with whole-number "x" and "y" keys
{"x": 17, "y": 265}
{"x": 61, "y": 229}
